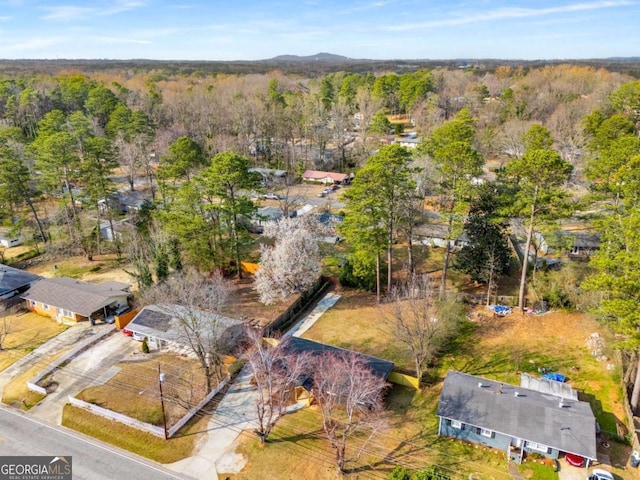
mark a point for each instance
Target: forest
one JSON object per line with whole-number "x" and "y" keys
{"x": 534, "y": 145}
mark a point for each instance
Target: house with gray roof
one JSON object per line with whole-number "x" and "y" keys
{"x": 379, "y": 367}
{"x": 163, "y": 327}
{"x": 514, "y": 419}
{"x": 68, "y": 300}
{"x": 14, "y": 282}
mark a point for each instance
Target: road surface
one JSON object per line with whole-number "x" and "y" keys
{"x": 92, "y": 460}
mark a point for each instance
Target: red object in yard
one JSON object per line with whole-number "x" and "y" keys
{"x": 127, "y": 332}
{"x": 575, "y": 460}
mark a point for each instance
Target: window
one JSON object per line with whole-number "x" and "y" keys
{"x": 66, "y": 313}
{"x": 538, "y": 447}
{"x": 457, "y": 424}
{"x": 45, "y": 307}
{"x": 486, "y": 433}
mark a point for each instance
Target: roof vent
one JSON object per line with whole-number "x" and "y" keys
{"x": 516, "y": 393}
{"x": 561, "y": 404}
{"x": 480, "y": 385}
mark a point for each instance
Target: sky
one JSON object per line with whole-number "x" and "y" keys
{"x": 374, "y": 29}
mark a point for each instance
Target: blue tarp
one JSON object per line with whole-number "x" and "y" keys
{"x": 558, "y": 377}
{"x": 500, "y": 309}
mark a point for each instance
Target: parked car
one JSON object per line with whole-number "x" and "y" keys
{"x": 575, "y": 460}
{"x": 138, "y": 337}
{"x": 118, "y": 311}
{"x": 335, "y": 187}
{"x": 127, "y": 332}
{"x": 272, "y": 196}
{"x": 322, "y": 194}
{"x": 599, "y": 474}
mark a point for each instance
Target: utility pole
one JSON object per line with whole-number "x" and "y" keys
{"x": 161, "y": 378}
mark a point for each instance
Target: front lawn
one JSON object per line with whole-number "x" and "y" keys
{"x": 134, "y": 389}
{"x": 26, "y": 332}
{"x": 142, "y": 443}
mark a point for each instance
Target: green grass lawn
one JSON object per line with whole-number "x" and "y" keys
{"x": 136, "y": 441}
{"x": 496, "y": 348}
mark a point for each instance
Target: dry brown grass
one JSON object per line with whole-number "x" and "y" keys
{"x": 27, "y": 331}
{"x": 137, "y": 441}
{"x": 134, "y": 390}
{"x": 357, "y": 322}
{"x": 17, "y": 394}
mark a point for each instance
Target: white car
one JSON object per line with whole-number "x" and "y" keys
{"x": 138, "y": 337}
{"x": 272, "y": 196}
{"x": 599, "y": 474}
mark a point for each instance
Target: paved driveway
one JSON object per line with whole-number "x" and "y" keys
{"x": 92, "y": 367}
{"x": 568, "y": 472}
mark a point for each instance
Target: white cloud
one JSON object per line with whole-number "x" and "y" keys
{"x": 66, "y": 13}
{"x": 120, "y": 7}
{"x": 119, "y": 40}
{"x": 515, "y": 12}
{"x": 32, "y": 44}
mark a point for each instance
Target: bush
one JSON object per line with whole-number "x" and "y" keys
{"x": 145, "y": 345}
{"x": 358, "y": 273}
{"x": 399, "y": 473}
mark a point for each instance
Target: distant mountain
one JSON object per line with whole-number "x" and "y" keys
{"x": 318, "y": 57}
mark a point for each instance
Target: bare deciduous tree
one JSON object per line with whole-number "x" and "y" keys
{"x": 275, "y": 373}
{"x": 349, "y": 396}
{"x": 292, "y": 265}
{"x": 196, "y": 303}
{"x": 411, "y": 318}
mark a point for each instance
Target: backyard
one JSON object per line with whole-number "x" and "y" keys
{"x": 497, "y": 348}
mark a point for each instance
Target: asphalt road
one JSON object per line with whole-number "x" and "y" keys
{"x": 92, "y": 460}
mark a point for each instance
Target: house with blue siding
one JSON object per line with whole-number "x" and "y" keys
{"x": 514, "y": 419}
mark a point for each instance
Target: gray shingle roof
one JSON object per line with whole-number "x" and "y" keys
{"x": 74, "y": 295}
{"x": 13, "y": 278}
{"x": 157, "y": 321}
{"x": 381, "y": 368}
{"x": 533, "y": 416}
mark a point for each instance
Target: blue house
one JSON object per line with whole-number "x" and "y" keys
{"x": 514, "y": 419}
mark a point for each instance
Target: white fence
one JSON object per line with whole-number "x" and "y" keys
{"x": 147, "y": 427}
{"x": 119, "y": 417}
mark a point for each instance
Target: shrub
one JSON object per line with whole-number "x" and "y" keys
{"x": 145, "y": 345}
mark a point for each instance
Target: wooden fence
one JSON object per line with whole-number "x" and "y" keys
{"x": 291, "y": 314}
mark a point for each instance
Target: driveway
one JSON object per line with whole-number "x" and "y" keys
{"x": 92, "y": 367}
{"x": 236, "y": 413}
{"x": 69, "y": 337}
{"x": 569, "y": 472}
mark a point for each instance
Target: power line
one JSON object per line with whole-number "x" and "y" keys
{"x": 412, "y": 459}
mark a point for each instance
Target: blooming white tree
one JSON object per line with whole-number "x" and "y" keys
{"x": 292, "y": 264}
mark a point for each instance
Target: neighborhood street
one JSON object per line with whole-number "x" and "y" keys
{"x": 92, "y": 459}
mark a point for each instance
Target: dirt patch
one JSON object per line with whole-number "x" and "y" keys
{"x": 245, "y": 304}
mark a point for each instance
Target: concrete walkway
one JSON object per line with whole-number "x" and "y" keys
{"x": 236, "y": 413}
{"x": 514, "y": 472}
{"x": 305, "y": 323}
